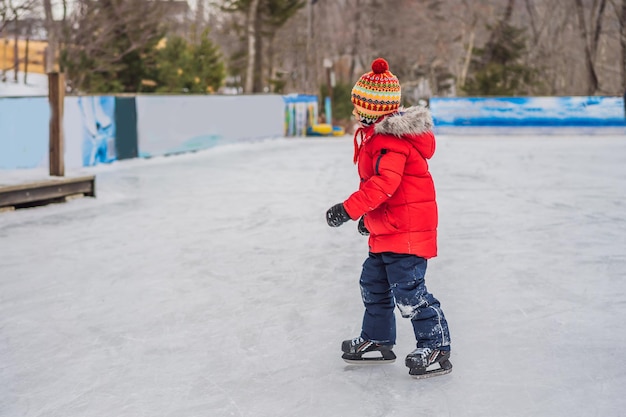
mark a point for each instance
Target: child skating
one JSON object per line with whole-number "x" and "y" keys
{"x": 396, "y": 205}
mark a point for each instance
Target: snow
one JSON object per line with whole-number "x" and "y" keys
{"x": 209, "y": 284}
{"x": 37, "y": 85}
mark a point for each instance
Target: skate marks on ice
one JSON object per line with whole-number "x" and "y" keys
{"x": 237, "y": 307}
{"x": 391, "y": 391}
{"x": 375, "y": 359}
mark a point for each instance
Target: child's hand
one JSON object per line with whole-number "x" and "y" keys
{"x": 361, "y": 227}
{"x": 336, "y": 215}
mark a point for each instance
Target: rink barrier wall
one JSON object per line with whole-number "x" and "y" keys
{"x": 102, "y": 129}
{"x": 126, "y": 144}
{"x": 169, "y": 125}
{"x": 549, "y": 115}
{"x": 24, "y": 127}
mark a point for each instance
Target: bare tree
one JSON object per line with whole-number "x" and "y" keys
{"x": 252, "y": 22}
{"x": 11, "y": 12}
{"x": 620, "y": 12}
{"x": 6, "y": 14}
{"x": 497, "y": 32}
{"x": 105, "y": 35}
{"x": 468, "y": 36}
{"x": 568, "y": 42}
{"x": 590, "y": 34}
{"x": 622, "y": 27}
{"x": 50, "y": 57}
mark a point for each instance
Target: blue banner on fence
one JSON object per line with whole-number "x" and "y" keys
{"x": 530, "y": 112}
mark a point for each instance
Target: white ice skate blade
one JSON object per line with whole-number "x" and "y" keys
{"x": 369, "y": 362}
{"x": 433, "y": 373}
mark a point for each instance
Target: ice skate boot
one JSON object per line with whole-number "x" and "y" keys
{"x": 420, "y": 359}
{"x": 354, "y": 350}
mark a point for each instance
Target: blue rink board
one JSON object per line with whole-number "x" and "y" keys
{"x": 529, "y": 112}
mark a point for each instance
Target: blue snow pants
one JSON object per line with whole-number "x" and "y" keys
{"x": 389, "y": 280}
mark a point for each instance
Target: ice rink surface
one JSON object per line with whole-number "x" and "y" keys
{"x": 210, "y": 285}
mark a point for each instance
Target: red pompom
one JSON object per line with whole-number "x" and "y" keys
{"x": 379, "y": 65}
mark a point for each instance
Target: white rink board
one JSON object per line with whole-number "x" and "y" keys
{"x": 177, "y": 124}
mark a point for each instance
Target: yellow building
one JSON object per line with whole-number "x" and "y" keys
{"x": 36, "y": 55}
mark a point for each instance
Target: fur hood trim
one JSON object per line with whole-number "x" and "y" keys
{"x": 414, "y": 120}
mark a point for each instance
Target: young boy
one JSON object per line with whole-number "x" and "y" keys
{"x": 396, "y": 206}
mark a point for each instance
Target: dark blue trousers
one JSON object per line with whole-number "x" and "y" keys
{"x": 389, "y": 280}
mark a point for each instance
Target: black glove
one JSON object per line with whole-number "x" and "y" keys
{"x": 361, "y": 227}
{"x": 336, "y": 215}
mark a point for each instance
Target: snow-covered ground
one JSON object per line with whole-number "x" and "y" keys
{"x": 210, "y": 285}
{"x": 36, "y": 85}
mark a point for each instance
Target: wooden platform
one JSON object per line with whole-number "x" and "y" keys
{"x": 38, "y": 193}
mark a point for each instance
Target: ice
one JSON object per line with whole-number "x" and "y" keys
{"x": 209, "y": 284}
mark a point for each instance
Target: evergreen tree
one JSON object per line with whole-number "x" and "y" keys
{"x": 173, "y": 62}
{"x": 207, "y": 66}
{"x": 185, "y": 68}
{"x": 497, "y": 69}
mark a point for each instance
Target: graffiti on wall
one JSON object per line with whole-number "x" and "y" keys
{"x": 301, "y": 112}
{"x": 98, "y": 121}
{"x": 89, "y": 130}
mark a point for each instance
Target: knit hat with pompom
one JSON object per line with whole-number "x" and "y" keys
{"x": 377, "y": 92}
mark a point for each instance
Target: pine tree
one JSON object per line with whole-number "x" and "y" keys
{"x": 497, "y": 69}
{"x": 185, "y": 68}
{"x": 172, "y": 66}
{"x": 207, "y": 66}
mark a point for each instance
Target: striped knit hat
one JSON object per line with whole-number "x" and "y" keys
{"x": 377, "y": 93}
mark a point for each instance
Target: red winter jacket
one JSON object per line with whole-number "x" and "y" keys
{"x": 397, "y": 194}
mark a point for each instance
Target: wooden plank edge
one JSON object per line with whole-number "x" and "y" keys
{"x": 42, "y": 193}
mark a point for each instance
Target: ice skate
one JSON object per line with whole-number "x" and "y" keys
{"x": 421, "y": 359}
{"x": 355, "y": 349}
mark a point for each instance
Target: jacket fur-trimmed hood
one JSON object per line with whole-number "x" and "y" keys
{"x": 414, "y": 125}
{"x": 412, "y": 121}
